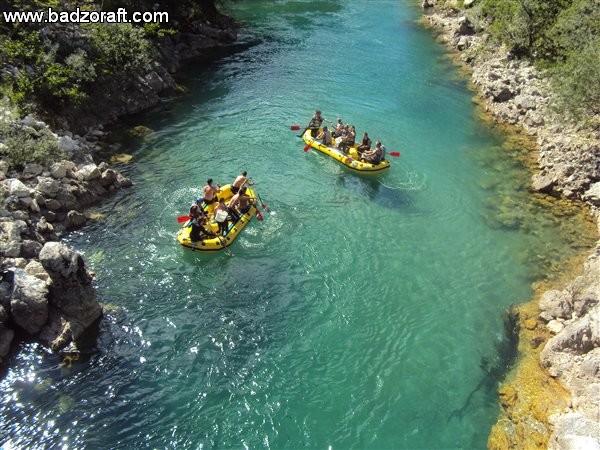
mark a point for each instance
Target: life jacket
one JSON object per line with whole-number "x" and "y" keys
{"x": 315, "y": 122}
{"x": 382, "y": 153}
{"x": 381, "y": 156}
{"x": 349, "y": 138}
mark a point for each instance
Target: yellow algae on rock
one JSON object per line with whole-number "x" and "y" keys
{"x": 530, "y": 395}
{"x": 122, "y": 158}
{"x": 530, "y": 324}
{"x": 95, "y": 216}
{"x": 140, "y": 131}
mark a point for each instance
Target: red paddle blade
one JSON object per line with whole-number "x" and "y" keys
{"x": 307, "y": 147}
{"x": 395, "y": 154}
{"x": 259, "y": 216}
{"x": 295, "y": 127}
{"x": 182, "y": 219}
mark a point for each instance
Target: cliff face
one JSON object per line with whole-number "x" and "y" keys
{"x": 140, "y": 90}
{"x": 76, "y": 76}
{"x": 552, "y": 398}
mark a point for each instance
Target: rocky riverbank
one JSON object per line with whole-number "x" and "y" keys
{"x": 560, "y": 329}
{"x": 46, "y": 293}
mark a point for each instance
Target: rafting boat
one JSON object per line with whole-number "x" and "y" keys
{"x": 350, "y": 160}
{"x": 218, "y": 242}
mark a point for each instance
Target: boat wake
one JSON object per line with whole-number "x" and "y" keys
{"x": 410, "y": 181}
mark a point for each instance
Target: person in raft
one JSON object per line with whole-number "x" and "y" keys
{"x": 241, "y": 202}
{"x": 240, "y": 181}
{"x": 325, "y": 136}
{"x": 339, "y": 126}
{"x": 220, "y": 216}
{"x": 200, "y": 229}
{"x": 365, "y": 144}
{"x": 315, "y": 124}
{"x": 196, "y": 209}
{"x": 376, "y": 155}
{"x": 210, "y": 193}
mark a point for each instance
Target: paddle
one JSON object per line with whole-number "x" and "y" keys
{"x": 261, "y": 202}
{"x": 259, "y": 216}
{"x": 307, "y": 147}
{"x": 182, "y": 219}
{"x": 394, "y": 154}
{"x": 295, "y": 127}
{"x": 224, "y": 244}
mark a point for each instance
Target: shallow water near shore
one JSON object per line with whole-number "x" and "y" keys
{"x": 361, "y": 313}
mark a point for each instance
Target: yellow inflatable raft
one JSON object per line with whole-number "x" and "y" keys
{"x": 350, "y": 160}
{"x": 218, "y": 242}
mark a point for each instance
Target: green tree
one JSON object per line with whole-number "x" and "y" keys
{"x": 120, "y": 48}
{"x": 577, "y": 80}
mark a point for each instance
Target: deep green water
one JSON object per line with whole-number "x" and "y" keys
{"x": 361, "y": 313}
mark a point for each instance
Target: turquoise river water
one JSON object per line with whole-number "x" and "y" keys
{"x": 361, "y": 313}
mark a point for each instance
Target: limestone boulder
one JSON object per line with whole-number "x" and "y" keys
{"x": 35, "y": 268}
{"x": 555, "y": 305}
{"x": 30, "y": 248}
{"x": 574, "y": 431}
{"x": 17, "y": 188}
{"x": 74, "y": 219}
{"x": 32, "y": 170}
{"x": 67, "y": 198}
{"x": 52, "y": 204}
{"x": 109, "y": 176}
{"x": 541, "y": 183}
{"x": 123, "y": 181}
{"x": 48, "y": 187}
{"x": 577, "y": 338}
{"x": 10, "y": 238}
{"x": 88, "y": 172}
{"x": 68, "y": 145}
{"x": 29, "y": 121}
{"x": 29, "y": 302}
{"x": 71, "y": 291}
{"x": 61, "y": 169}
{"x": 593, "y": 194}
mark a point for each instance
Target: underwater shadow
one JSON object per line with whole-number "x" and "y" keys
{"x": 495, "y": 370}
{"x": 373, "y": 188}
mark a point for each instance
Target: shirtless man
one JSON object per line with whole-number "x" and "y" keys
{"x": 240, "y": 201}
{"x": 210, "y": 193}
{"x": 240, "y": 181}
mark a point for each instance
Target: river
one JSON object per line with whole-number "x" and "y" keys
{"x": 363, "y": 312}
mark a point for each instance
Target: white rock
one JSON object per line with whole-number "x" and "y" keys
{"x": 88, "y": 172}
{"x": 593, "y": 193}
{"x": 29, "y": 121}
{"x": 555, "y": 326}
{"x": 68, "y": 144}
{"x": 48, "y": 186}
{"x": 17, "y": 188}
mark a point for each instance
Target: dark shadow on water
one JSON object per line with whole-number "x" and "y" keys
{"x": 371, "y": 187}
{"x": 495, "y": 369}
